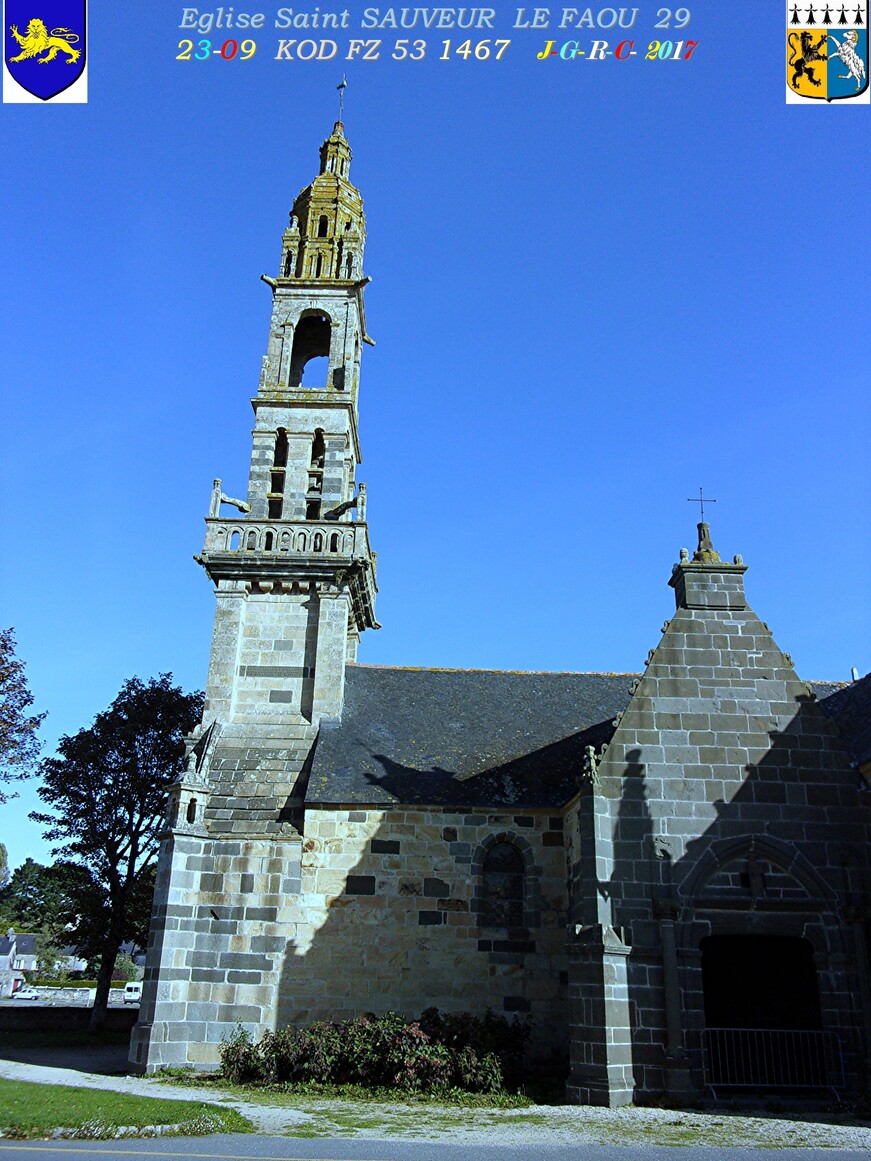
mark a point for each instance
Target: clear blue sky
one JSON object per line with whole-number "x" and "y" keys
{"x": 596, "y": 286}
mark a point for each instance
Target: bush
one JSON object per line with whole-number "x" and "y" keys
{"x": 439, "y": 1052}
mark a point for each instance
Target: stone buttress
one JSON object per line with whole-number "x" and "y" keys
{"x": 294, "y": 580}
{"x": 722, "y": 816}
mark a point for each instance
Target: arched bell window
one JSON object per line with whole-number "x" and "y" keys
{"x": 502, "y": 886}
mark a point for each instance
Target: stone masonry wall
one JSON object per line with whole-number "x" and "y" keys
{"x": 723, "y": 804}
{"x": 372, "y": 911}
{"x": 223, "y": 913}
{"x": 389, "y": 920}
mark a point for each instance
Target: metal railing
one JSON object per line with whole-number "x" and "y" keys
{"x": 772, "y": 1058}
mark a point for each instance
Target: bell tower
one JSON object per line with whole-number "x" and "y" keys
{"x": 293, "y": 570}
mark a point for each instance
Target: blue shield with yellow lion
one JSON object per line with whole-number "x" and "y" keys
{"x": 827, "y": 49}
{"x": 45, "y": 44}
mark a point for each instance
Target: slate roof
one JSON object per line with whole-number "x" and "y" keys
{"x": 850, "y": 708}
{"x": 463, "y": 737}
{"x": 25, "y": 943}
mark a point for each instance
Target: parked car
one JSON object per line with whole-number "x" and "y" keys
{"x": 132, "y": 993}
{"x": 26, "y": 993}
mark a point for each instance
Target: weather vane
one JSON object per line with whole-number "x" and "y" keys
{"x": 701, "y": 502}
{"x": 341, "y": 89}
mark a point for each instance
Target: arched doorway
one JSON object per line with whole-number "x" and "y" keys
{"x": 763, "y": 1020}
{"x": 760, "y": 981}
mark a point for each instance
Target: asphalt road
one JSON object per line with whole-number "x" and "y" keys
{"x": 236, "y": 1147}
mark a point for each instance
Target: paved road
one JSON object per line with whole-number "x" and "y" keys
{"x": 250, "y": 1148}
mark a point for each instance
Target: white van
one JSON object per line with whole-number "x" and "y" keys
{"x": 132, "y": 993}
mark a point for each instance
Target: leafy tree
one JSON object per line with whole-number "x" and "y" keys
{"x": 125, "y": 968}
{"x": 4, "y": 866}
{"x": 107, "y": 790}
{"x": 19, "y": 745}
{"x": 50, "y": 959}
{"x": 38, "y": 899}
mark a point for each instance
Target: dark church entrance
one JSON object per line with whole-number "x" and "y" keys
{"x": 763, "y": 1026}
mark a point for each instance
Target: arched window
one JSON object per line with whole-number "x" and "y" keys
{"x": 349, "y": 264}
{"x": 288, "y": 264}
{"x": 502, "y": 877}
{"x": 319, "y": 265}
{"x": 311, "y": 341}
{"x": 323, "y": 226}
{"x": 192, "y": 810}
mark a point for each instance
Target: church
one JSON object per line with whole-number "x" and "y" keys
{"x": 667, "y": 872}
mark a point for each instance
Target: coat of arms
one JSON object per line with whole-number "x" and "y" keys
{"x": 44, "y": 44}
{"x": 827, "y": 50}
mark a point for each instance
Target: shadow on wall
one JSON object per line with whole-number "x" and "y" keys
{"x": 390, "y": 913}
{"x": 779, "y": 880}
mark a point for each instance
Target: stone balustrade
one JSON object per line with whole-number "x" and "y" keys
{"x": 299, "y": 537}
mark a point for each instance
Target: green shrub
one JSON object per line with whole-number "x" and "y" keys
{"x": 435, "y": 1054}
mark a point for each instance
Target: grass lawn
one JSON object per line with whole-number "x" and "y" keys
{"x": 35, "y": 1110}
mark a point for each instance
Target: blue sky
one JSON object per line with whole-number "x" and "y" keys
{"x": 596, "y": 286}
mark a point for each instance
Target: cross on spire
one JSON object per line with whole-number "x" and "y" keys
{"x": 341, "y": 87}
{"x": 701, "y": 502}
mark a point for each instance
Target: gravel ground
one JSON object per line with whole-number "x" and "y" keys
{"x": 278, "y": 1114}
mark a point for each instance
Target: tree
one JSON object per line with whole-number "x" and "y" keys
{"x": 107, "y": 790}
{"x": 39, "y": 899}
{"x": 19, "y": 745}
{"x": 4, "y": 866}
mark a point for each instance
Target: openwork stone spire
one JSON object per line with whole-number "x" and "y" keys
{"x": 327, "y": 230}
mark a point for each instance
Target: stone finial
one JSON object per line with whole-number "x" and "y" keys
{"x": 684, "y": 557}
{"x": 705, "y": 553}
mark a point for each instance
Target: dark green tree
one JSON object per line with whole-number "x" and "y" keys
{"x": 38, "y": 899}
{"x": 107, "y": 793}
{"x": 19, "y": 745}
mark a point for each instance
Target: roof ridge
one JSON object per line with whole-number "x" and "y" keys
{"x": 477, "y": 669}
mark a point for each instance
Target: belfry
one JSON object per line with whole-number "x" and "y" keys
{"x": 666, "y": 872}
{"x": 293, "y": 571}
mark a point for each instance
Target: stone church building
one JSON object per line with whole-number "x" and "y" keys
{"x": 667, "y": 872}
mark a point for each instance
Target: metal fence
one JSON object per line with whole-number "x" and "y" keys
{"x": 772, "y": 1058}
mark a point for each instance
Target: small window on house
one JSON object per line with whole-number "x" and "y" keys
{"x": 192, "y": 810}
{"x": 323, "y": 226}
{"x": 313, "y": 510}
{"x": 279, "y": 460}
{"x": 319, "y": 265}
{"x": 275, "y": 506}
{"x": 288, "y": 264}
{"x": 502, "y": 887}
{"x": 349, "y": 264}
